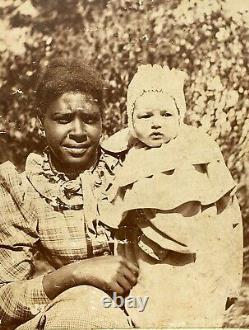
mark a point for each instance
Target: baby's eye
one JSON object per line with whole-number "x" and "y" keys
{"x": 145, "y": 116}
{"x": 167, "y": 114}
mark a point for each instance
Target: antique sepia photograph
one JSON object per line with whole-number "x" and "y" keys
{"x": 124, "y": 164}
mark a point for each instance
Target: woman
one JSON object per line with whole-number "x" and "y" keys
{"x": 51, "y": 208}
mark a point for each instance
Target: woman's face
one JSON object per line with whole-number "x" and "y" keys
{"x": 155, "y": 119}
{"x": 73, "y": 126}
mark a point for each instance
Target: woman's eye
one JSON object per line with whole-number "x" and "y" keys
{"x": 63, "y": 120}
{"x": 90, "y": 120}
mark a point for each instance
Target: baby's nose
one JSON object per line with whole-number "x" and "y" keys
{"x": 156, "y": 121}
{"x": 156, "y": 124}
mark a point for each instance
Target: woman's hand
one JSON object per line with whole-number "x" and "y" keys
{"x": 108, "y": 273}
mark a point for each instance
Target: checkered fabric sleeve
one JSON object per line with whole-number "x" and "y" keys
{"x": 21, "y": 296}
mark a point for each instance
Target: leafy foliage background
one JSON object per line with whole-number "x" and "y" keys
{"x": 198, "y": 37}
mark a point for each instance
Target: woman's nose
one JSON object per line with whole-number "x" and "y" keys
{"x": 78, "y": 130}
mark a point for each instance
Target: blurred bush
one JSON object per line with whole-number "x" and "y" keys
{"x": 115, "y": 36}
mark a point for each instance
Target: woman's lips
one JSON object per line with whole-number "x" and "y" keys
{"x": 76, "y": 149}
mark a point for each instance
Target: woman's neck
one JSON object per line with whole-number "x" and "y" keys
{"x": 71, "y": 173}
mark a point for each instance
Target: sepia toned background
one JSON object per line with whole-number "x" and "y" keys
{"x": 209, "y": 39}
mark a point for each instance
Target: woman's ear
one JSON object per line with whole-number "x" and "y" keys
{"x": 41, "y": 130}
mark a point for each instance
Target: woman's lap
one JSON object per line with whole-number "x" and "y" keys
{"x": 78, "y": 308}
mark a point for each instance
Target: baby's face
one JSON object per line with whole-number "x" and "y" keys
{"x": 155, "y": 119}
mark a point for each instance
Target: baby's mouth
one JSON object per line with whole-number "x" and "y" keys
{"x": 156, "y": 135}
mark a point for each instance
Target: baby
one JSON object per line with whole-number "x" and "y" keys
{"x": 173, "y": 202}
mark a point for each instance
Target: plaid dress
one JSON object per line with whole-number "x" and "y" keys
{"x": 44, "y": 211}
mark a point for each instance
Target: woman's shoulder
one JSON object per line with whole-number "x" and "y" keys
{"x": 16, "y": 182}
{"x": 12, "y": 182}
{"x": 9, "y": 174}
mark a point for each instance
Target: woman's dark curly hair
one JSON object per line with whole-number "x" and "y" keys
{"x": 64, "y": 76}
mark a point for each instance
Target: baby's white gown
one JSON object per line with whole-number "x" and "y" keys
{"x": 182, "y": 198}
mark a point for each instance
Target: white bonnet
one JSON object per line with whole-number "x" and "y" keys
{"x": 159, "y": 79}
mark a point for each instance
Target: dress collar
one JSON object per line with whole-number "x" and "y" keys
{"x": 60, "y": 191}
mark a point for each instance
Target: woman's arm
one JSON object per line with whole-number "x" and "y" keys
{"x": 108, "y": 273}
{"x": 21, "y": 297}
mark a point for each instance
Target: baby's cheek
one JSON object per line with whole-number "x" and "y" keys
{"x": 172, "y": 129}
{"x": 142, "y": 131}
